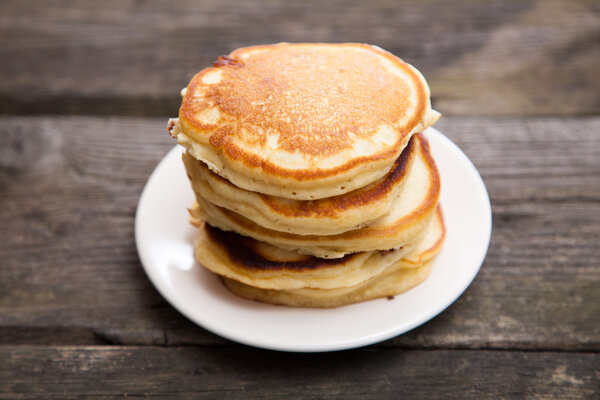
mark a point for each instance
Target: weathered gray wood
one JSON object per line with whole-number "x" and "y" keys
{"x": 132, "y": 58}
{"x": 73, "y": 295}
{"x": 69, "y": 271}
{"x": 245, "y": 373}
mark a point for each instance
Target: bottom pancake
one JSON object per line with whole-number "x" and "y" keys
{"x": 401, "y": 276}
{"x": 390, "y": 283}
{"x": 260, "y": 272}
{"x": 264, "y": 266}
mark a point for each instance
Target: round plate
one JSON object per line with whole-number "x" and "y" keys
{"x": 164, "y": 241}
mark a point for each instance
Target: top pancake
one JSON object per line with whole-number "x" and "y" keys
{"x": 303, "y": 121}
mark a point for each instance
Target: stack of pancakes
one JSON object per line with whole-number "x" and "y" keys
{"x": 314, "y": 186}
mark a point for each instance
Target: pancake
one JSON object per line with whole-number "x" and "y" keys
{"x": 260, "y": 265}
{"x": 303, "y": 121}
{"x": 389, "y": 284}
{"x": 327, "y": 216}
{"x": 410, "y": 214}
{"x": 401, "y": 276}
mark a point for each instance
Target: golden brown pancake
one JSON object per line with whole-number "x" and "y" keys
{"x": 260, "y": 265}
{"x": 303, "y": 121}
{"x": 399, "y": 277}
{"x": 408, "y": 217}
{"x": 326, "y": 216}
{"x": 397, "y": 281}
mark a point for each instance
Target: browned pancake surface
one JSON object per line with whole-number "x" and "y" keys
{"x": 246, "y": 253}
{"x": 331, "y": 207}
{"x": 320, "y": 99}
{"x": 381, "y": 230}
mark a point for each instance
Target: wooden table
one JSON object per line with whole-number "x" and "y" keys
{"x": 85, "y": 91}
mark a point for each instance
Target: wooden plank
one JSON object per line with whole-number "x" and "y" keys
{"x": 69, "y": 268}
{"x": 132, "y": 58}
{"x": 50, "y": 335}
{"x": 245, "y": 373}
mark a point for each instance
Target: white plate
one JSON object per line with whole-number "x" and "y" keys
{"x": 164, "y": 240}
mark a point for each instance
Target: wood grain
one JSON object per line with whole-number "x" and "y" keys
{"x": 519, "y": 86}
{"x": 245, "y": 373}
{"x": 132, "y": 57}
{"x": 70, "y": 273}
